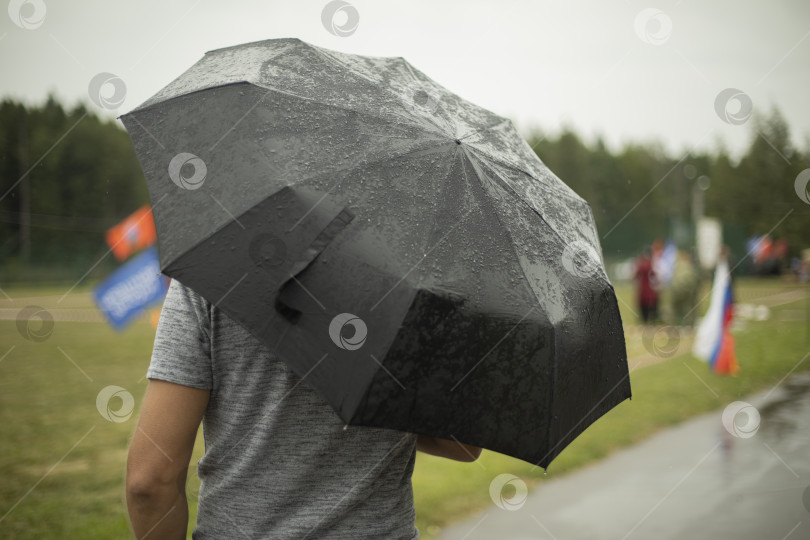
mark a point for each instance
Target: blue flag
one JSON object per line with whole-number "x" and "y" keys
{"x": 131, "y": 288}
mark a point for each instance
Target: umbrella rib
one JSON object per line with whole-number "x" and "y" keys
{"x": 337, "y": 106}
{"x": 514, "y": 167}
{"x": 442, "y": 197}
{"x": 422, "y": 84}
{"x": 522, "y": 200}
{"x": 509, "y": 163}
{"x": 485, "y": 128}
{"x": 328, "y": 55}
{"x": 533, "y": 209}
{"x": 481, "y": 175}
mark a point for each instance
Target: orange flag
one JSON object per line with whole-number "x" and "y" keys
{"x": 133, "y": 234}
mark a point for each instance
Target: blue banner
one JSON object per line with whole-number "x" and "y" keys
{"x": 131, "y": 288}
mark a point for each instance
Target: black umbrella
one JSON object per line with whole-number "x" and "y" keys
{"x": 403, "y": 250}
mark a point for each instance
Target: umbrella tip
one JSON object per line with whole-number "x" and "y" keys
{"x": 458, "y": 141}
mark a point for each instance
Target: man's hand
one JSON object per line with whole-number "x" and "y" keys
{"x": 447, "y": 449}
{"x": 159, "y": 457}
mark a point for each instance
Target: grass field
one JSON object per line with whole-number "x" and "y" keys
{"x": 62, "y": 464}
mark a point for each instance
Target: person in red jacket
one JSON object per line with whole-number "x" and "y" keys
{"x": 647, "y": 293}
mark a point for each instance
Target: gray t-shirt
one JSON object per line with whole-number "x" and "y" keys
{"x": 278, "y": 462}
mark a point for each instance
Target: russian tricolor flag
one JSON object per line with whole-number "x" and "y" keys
{"x": 713, "y": 340}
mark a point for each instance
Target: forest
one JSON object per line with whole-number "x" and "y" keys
{"x": 67, "y": 175}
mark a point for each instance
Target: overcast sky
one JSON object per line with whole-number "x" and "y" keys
{"x": 628, "y": 70}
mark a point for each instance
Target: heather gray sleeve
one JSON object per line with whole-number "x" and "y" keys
{"x": 182, "y": 351}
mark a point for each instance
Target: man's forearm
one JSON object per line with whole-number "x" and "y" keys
{"x": 159, "y": 514}
{"x": 447, "y": 449}
{"x": 158, "y": 460}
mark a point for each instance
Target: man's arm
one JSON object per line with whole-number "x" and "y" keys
{"x": 159, "y": 457}
{"x": 447, "y": 449}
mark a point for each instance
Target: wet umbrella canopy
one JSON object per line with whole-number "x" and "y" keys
{"x": 402, "y": 250}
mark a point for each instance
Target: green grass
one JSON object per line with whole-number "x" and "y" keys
{"x": 62, "y": 464}
{"x": 46, "y": 406}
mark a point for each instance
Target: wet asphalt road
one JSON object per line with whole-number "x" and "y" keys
{"x": 694, "y": 481}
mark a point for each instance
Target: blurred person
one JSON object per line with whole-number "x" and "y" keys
{"x": 684, "y": 290}
{"x": 647, "y": 287}
{"x": 780, "y": 255}
{"x": 763, "y": 257}
{"x": 804, "y": 266}
{"x": 664, "y": 263}
{"x": 656, "y": 248}
{"x": 278, "y": 461}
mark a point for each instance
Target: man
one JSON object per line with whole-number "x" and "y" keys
{"x": 278, "y": 462}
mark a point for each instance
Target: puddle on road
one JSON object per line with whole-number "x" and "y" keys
{"x": 786, "y": 415}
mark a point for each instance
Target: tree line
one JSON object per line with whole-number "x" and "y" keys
{"x": 639, "y": 193}
{"x": 66, "y": 175}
